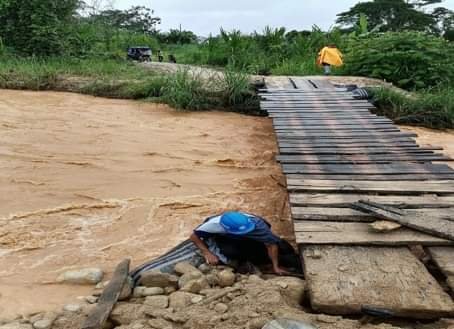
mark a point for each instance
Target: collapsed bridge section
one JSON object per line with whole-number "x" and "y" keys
{"x": 336, "y": 152}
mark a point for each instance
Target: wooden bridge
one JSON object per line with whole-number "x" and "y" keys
{"x": 335, "y": 152}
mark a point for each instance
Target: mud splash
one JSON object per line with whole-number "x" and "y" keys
{"x": 86, "y": 182}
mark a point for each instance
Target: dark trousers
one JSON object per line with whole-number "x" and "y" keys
{"x": 246, "y": 250}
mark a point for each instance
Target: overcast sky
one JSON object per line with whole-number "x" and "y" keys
{"x": 207, "y": 16}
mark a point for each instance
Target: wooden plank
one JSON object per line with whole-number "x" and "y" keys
{"x": 108, "y": 298}
{"x": 381, "y": 159}
{"x": 322, "y": 84}
{"x": 435, "y": 226}
{"x": 346, "y": 200}
{"x": 327, "y": 151}
{"x": 276, "y": 82}
{"x": 362, "y": 141}
{"x": 341, "y": 280}
{"x": 394, "y": 178}
{"x": 286, "y": 129}
{"x": 344, "y": 233}
{"x": 290, "y": 121}
{"x": 302, "y": 84}
{"x": 404, "y": 187}
{"x": 444, "y": 258}
{"x": 333, "y": 134}
{"x": 347, "y": 147}
{"x": 380, "y": 169}
{"x": 351, "y": 215}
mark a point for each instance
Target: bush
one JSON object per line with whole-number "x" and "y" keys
{"x": 410, "y": 60}
{"x": 432, "y": 109}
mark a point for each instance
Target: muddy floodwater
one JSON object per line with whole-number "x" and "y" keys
{"x": 87, "y": 181}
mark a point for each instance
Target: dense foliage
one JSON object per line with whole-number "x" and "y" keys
{"x": 399, "y": 15}
{"x": 410, "y": 60}
{"x": 37, "y": 27}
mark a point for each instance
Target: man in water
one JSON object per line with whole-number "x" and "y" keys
{"x": 243, "y": 237}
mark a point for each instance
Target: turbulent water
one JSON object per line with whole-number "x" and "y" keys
{"x": 87, "y": 181}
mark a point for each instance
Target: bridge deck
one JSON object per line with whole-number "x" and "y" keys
{"x": 335, "y": 151}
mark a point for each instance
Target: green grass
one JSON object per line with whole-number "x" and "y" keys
{"x": 432, "y": 109}
{"x": 123, "y": 79}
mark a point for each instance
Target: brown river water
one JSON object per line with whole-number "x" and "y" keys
{"x": 88, "y": 181}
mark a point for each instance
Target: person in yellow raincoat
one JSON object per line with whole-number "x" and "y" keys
{"x": 330, "y": 56}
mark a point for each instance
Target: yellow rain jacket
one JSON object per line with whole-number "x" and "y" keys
{"x": 331, "y": 56}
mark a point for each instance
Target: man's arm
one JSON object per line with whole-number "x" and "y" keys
{"x": 209, "y": 256}
{"x": 273, "y": 253}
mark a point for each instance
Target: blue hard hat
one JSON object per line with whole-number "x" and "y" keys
{"x": 237, "y": 223}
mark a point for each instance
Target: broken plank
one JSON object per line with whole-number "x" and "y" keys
{"x": 351, "y": 215}
{"x": 444, "y": 258}
{"x": 404, "y": 187}
{"x": 109, "y": 297}
{"x": 341, "y": 280}
{"x": 345, "y": 233}
{"x": 436, "y": 226}
{"x": 345, "y": 200}
{"x": 380, "y": 169}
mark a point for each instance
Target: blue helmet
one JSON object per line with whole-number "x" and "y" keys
{"x": 237, "y": 223}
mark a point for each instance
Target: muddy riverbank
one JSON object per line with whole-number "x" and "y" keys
{"x": 86, "y": 181}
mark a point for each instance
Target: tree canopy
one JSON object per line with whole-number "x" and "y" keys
{"x": 399, "y": 15}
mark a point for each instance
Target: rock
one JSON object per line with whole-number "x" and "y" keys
{"x": 43, "y": 324}
{"x": 160, "y": 324}
{"x": 384, "y": 226}
{"x": 140, "y": 292}
{"x": 91, "y": 299}
{"x": 255, "y": 279}
{"x": 226, "y": 278}
{"x": 181, "y": 299}
{"x": 185, "y": 267}
{"x": 212, "y": 279}
{"x": 205, "y": 268}
{"x": 72, "y": 308}
{"x": 185, "y": 278}
{"x": 195, "y": 286}
{"x": 196, "y": 299}
{"x": 159, "y": 302}
{"x": 257, "y": 323}
{"x": 169, "y": 290}
{"x": 327, "y": 319}
{"x": 83, "y": 276}
{"x": 127, "y": 313}
{"x": 221, "y": 308}
{"x": 176, "y": 317}
{"x": 158, "y": 279}
{"x": 16, "y": 325}
{"x": 292, "y": 289}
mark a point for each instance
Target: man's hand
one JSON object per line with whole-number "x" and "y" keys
{"x": 211, "y": 258}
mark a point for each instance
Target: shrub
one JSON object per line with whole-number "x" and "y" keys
{"x": 433, "y": 109}
{"x": 410, "y": 60}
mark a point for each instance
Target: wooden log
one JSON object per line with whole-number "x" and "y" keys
{"x": 342, "y": 280}
{"x": 436, "y": 226}
{"x": 346, "y": 200}
{"x": 359, "y": 234}
{"x": 109, "y": 297}
{"x": 404, "y": 187}
{"x": 379, "y": 169}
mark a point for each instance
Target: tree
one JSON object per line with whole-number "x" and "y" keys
{"x": 391, "y": 15}
{"x": 177, "y": 37}
{"x": 37, "y": 27}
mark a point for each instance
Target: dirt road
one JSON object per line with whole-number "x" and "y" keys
{"x": 86, "y": 181}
